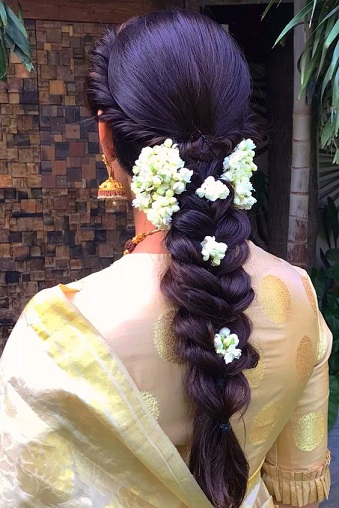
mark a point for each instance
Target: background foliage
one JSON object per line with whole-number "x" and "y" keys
{"x": 326, "y": 283}
{"x": 319, "y": 64}
{"x": 13, "y": 37}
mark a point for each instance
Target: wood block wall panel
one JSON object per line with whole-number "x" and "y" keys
{"x": 52, "y": 227}
{"x": 100, "y": 11}
{"x": 21, "y": 209}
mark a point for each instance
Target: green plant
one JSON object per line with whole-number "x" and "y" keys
{"x": 13, "y": 37}
{"x": 326, "y": 283}
{"x": 319, "y": 64}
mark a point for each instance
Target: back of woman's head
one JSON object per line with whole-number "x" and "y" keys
{"x": 178, "y": 75}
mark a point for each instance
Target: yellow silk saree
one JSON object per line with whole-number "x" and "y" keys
{"x": 75, "y": 430}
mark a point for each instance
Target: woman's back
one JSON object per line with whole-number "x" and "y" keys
{"x": 285, "y": 423}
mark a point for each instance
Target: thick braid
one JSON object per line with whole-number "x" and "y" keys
{"x": 178, "y": 75}
{"x": 209, "y": 298}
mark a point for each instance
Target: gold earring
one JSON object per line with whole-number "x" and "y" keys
{"x": 111, "y": 189}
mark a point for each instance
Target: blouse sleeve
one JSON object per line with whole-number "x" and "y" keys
{"x": 296, "y": 468}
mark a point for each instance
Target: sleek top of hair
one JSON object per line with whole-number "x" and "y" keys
{"x": 179, "y": 75}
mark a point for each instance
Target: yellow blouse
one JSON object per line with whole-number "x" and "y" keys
{"x": 284, "y": 430}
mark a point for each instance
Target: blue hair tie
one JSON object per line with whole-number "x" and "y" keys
{"x": 225, "y": 427}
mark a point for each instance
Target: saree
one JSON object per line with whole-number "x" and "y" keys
{"x": 75, "y": 430}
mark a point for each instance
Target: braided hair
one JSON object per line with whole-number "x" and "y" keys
{"x": 178, "y": 75}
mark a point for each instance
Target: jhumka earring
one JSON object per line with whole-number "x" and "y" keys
{"x": 111, "y": 189}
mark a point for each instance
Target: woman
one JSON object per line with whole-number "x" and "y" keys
{"x": 193, "y": 371}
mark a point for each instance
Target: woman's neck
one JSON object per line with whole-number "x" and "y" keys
{"x": 153, "y": 244}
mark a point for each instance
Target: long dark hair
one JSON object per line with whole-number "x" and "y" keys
{"x": 178, "y": 75}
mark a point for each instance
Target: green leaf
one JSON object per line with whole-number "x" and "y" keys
{"x": 334, "y": 389}
{"x": 333, "y": 272}
{"x": 331, "y": 69}
{"x": 268, "y": 8}
{"x": 317, "y": 38}
{"x": 15, "y": 19}
{"x": 3, "y": 15}
{"x": 12, "y": 39}
{"x": 307, "y": 69}
{"x": 332, "y": 414}
{"x": 324, "y": 259}
{"x": 294, "y": 22}
{"x": 19, "y": 53}
{"x": 336, "y": 156}
{"x": 327, "y": 132}
{"x": 3, "y": 58}
{"x": 327, "y": 28}
{"x": 23, "y": 58}
{"x": 331, "y": 320}
{"x": 331, "y": 212}
{"x": 333, "y": 255}
{"x": 313, "y": 9}
{"x": 334, "y": 365}
{"x": 21, "y": 16}
{"x": 14, "y": 31}
{"x": 332, "y": 35}
{"x": 328, "y": 16}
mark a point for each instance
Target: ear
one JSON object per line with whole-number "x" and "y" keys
{"x": 106, "y": 139}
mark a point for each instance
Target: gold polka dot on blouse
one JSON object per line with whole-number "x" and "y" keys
{"x": 274, "y": 299}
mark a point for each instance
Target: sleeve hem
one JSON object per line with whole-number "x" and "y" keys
{"x": 298, "y": 488}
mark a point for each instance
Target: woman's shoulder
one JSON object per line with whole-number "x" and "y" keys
{"x": 284, "y": 294}
{"x": 269, "y": 270}
{"x": 132, "y": 268}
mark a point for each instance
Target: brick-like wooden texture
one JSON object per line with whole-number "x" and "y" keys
{"x": 98, "y": 11}
{"x": 52, "y": 227}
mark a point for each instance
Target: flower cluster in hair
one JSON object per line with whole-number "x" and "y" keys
{"x": 213, "y": 189}
{"x": 238, "y": 169}
{"x": 215, "y": 251}
{"x": 226, "y": 343}
{"x": 159, "y": 174}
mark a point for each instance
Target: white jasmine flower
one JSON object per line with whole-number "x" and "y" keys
{"x": 213, "y": 189}
{"x": 213, "y": 250}
{"x": 159, "y": 174}
{"x": 179, "y": 187}
{"x": 225, "y": 344}
{"x": 238, "y": 169}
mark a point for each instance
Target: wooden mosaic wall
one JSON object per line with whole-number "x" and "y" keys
{"x": 52, "y": 228}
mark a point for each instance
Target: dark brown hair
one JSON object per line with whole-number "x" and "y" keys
{"x": 178, "y": 75}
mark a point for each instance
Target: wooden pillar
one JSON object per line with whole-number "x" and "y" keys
{"x": 279, "y": 81}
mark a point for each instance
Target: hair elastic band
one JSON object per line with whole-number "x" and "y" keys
{"x": 225, "y": 427}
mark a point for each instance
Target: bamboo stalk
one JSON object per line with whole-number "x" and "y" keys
{"x": 301, "y": 159}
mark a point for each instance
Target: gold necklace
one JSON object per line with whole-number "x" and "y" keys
{"x": 133, "y": 242}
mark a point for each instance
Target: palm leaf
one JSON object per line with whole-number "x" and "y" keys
{"x": 16, "y": 21}
{"x": 13, "y": 37}
{"x": 298, "y": 18}
{"x": 331, "y": 70}
{"x": 332, "y": 35}
{"x": 15, "y": 33}
{"x": 3, "y": 57}
{"x": 317, "y": 38}
{"x": 327, "y": 28}
{"x": 313, "y": 9}
{"x": 269, "y": 6}
{"x": 3, "y": 15}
